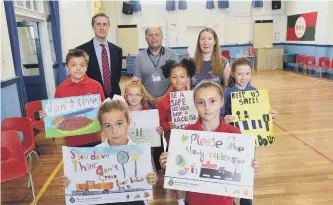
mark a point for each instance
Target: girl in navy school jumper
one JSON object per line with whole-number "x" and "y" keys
{"x": 241, "y": 73}
{"x": 239, "y": 81}
{"x": 208, "y": 99}
{"x": 114, "y": 119}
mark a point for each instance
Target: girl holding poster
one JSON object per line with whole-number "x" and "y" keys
{"x": 240, "y": 79}
{"x": 178, "y": 75}
{"x": 208, "y": 99}
{"x": 136, "y": 100}
{"x": 114, "y": 118}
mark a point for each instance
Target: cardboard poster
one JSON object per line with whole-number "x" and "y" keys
{"x": 71, "y": 116}
{"x": 107, "y": 174}
{"x": 183, "y": 111}
{"x": 211, "y": 163}
{"x": 252, "y": 112}
{"x": 143, "y": 127}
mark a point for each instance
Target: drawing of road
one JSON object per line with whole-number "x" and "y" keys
{"x": 219, "y": 173}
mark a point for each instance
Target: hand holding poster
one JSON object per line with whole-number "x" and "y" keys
{"x": 183, "y": 111}
{"x": 143, "y": 127}
{"x": 210, "y": 162}
{"x": 107, "y": 174}
{"x": 252, "y": 112}
{"x": 71, "y": 116}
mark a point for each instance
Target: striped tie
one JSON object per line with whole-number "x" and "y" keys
{"x": 106, "y": 71}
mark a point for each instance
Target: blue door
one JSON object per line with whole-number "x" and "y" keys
{"x": 32, "y": 62}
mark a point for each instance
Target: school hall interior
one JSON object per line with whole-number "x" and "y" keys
{"x": 289, "y": 43}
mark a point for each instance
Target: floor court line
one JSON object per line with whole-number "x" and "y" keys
{"x": 56, "y": 170}
{"x": 48, "y": 181}
{"x": 306, "y": 144}
{"x": 320, "y": 80}
{"x": 302, "y": 131}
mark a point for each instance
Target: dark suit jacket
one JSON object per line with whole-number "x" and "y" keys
{"x": 94, "y": 72}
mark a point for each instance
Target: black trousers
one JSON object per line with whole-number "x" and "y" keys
{"x": 245, "y": 201}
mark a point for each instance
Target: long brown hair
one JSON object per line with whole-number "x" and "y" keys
{"x": 217, "y": 60}
{"x": 237, "y": 62}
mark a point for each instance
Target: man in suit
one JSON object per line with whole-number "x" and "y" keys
{"x": 105, "y": 58}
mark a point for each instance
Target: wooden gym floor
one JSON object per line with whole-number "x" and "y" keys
{"x": 296, "y": 170}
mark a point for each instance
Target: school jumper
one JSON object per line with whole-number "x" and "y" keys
{"x": 193, "y": 198}
{"x": 227, "y": 98}
{"x": 86, "y": 86}
{"x": 227, "y": 111}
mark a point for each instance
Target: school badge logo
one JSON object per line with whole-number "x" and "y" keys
{"x": 171, "y": 183}
{"x": 72, "y": 200}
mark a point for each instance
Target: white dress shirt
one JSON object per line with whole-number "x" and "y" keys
{"x": 98, "y": 51}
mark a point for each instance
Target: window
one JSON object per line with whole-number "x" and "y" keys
{"x": 34, "y": 5}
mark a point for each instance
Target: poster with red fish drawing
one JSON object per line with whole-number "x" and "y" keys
{"x": 99, "y": 175}
{"x": 211, "y": 163}
{"x": 71, "y": 116}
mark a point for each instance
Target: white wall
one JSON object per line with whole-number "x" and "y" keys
{"x": 324, "y": 18}
{"x": 75, "y": 23}
{"x": 7, "y": 65}
{"x": 233, "y": 25}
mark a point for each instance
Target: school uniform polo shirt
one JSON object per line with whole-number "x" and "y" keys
{"x": 147, "y": 67}
{"x": 106, "y": 143}
{"x": 145, "y": 107}
{"x": 194, "y": 198}
{"x": 86, "y": 86}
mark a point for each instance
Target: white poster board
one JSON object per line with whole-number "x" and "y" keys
{"x": 107, "y": 174}
{"x": 183, "y": 111}
{"x": 211, "y": 163}
{"x": 143, "y": 127}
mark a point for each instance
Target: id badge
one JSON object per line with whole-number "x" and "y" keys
{"x": 156, "y": 77}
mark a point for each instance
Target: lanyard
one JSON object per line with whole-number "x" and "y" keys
{"x": 158, "y": 61}
{"x": 162, "y": 51}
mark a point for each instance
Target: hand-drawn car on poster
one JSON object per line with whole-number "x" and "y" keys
{"x": 91, "y": 188}
{"x": 221, "y": 173}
